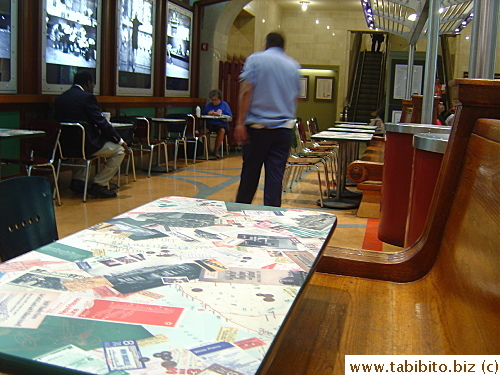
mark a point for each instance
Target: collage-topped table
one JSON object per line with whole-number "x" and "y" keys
{"x": 179, "y": 285}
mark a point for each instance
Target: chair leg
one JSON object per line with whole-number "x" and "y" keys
{"x": 151, "y": 160}
{"x": 176, "y": 152}
{"x": 56, "y": 185}
{"x": 165, "y": 149}
{"x": 87, "y": 174}
{"x": 184, "y": 141}
{"x": 207, "y": 139}
{"x": 131, "y": 157}
{"x": 195, "y": 150}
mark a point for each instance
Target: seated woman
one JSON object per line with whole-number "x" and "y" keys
{"x": 218, "y": 107}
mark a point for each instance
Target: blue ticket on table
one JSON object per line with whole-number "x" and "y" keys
{"x": 122, "y": 355}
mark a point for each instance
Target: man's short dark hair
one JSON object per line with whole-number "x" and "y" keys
{"x": 275, "y": 40}
{"x": 82, "y": 77}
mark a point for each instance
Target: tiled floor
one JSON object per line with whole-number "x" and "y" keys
{"x": 217, "y": 180}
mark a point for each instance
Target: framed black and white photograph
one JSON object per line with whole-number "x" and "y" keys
{"x": 324, "y": 89}
{"x": 304, "y": 87}
{"x": 135, "y": 32}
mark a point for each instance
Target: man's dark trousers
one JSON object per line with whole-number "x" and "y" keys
{"x": 271, "y": 148}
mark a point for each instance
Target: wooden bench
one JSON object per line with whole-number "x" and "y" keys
{"x": 440, "y": 296}
{"x": 367, "y": 173}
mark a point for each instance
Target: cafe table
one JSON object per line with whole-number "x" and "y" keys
{"x": 7, "y": 134}
{"x": 176, "y": 286}
{"x": 347, "y": 146}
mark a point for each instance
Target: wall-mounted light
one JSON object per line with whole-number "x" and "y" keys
{"x": 304, "y": 5}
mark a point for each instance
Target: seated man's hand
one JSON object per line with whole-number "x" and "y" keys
{"x": 125, "y": 146}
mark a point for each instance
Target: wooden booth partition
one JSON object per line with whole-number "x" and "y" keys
{"x": 229, "y": 72}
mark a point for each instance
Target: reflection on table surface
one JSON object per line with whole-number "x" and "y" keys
{"x": 179, "y": 284}
{"x": 19, "y": 133}
{"x": 168, "y": 120}
{"x": 350, "y": 130}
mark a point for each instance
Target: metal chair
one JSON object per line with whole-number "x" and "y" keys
{"x": 27, "y": 219}
{"x": 177, "y": 134}
{"x": 301, "y": 160}
{"x": 127, "y": 135}
{"x": 41, "y": 152}
{"x": 72, "y": 146}
{"x": 193, "y": 136}
{"x": 144, "y": 141}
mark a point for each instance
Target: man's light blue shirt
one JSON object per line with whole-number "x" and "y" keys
{"x": 275, "y": 80}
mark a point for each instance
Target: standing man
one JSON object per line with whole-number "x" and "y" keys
{"x": 268, "y": 101}
{"x": 78, "y": 104}
{"x": 377, "y": 40}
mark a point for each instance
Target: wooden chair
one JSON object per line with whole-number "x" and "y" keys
{"x": 439, "y": 296}
{"x": 27, "y": 219}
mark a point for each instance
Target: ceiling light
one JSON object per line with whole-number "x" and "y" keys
{"x": 328, "y": 27}
{"x": 304, "y": 5}
{"x": 317, "y": 21}
{"x": 412, "y": 17}
{"x": 442, "y": 9}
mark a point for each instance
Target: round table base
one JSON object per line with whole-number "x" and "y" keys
{"x": 339, "y": 204}
{"x": 346, "y": 193}
{"x": 160, "y": 169}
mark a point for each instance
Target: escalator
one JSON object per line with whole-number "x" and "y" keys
{"x": 368, "y": 86}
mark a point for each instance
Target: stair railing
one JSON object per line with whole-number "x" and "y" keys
{"x": 357, "y": 84}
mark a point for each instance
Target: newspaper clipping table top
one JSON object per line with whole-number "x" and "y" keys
{"x": 177, "y": 286}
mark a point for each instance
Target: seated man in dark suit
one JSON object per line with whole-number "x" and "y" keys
{"x": 78, "y": 104}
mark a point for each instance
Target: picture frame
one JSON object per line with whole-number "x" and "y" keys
{"x": 304, "y": 87}
{"x": 323, "y": 89}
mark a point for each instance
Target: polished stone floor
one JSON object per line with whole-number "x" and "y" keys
{"x": 217, "y": 179}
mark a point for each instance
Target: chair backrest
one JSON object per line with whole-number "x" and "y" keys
{"x": 297, "y": 144}
{"x": 27, "y": 219}
{"x": 302, "y": 131}
{"x": 142, "y": 131}
{"x": 313, "y": 127}
{"x": 44, "y": 147}
{"x": 177, "y": 129}
{"x": 191, "y": 127}
{"x": 72, "y": 140}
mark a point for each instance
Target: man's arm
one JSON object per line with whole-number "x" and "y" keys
{"x": 245, "y": 97}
